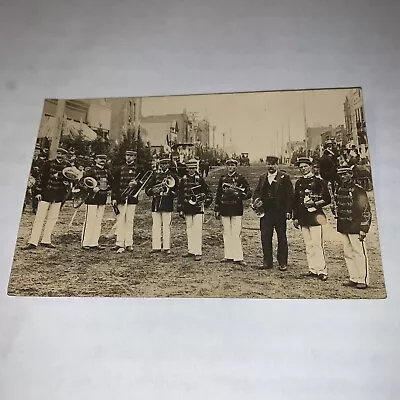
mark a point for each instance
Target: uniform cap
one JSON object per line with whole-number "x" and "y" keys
{"x": 231, "y": 161}
{"x": 305, "y": 160}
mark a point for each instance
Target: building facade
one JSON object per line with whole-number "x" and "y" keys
{"x": 355, "y": 120}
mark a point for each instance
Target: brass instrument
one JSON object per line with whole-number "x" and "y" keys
{"x": 80, "y": 194}
{"x": 238, "y": 189}
{"x": 143, "y": 182}
{"x": 130, "y": 189}
{"x": 258, "y": 207}
{"x": 162, "y": 189}
{"x": 72, "y": 174}
{"x": 308, "y": 198}
{"x": 197, "y": 197}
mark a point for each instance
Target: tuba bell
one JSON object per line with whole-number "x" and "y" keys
{"x": 258, "y": 207}
{"x": 72, "y": 174}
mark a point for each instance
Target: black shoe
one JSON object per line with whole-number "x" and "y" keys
{"x": 197, "y": 258}
{"x": 48, "y": 245}
{"x": 226, "y": 260}
{"x": 240, "y": 262}
{"x": 310, "y": 274}
{"x": 155, "y": 251}
{"x": 98, "y": 247}
{"x": 283, "y": 267}
{"x": 29, "y": 246}
{"x": 322, "y": 277}
{"x": 187, "y": 255}
{"x": 361, "y": 286}
{"x": 350, "y": 284}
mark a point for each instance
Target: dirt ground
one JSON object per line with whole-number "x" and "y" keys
{"x": 69, "y": 270}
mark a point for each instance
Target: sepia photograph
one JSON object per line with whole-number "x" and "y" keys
{"x": 258, "y": 195}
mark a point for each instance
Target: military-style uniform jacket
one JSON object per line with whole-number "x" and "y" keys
{"x": 104, "y": 182}
{"x": 277, "y": 196}
{"x": 121, "y": 178}
{"x": 319, "y": 193}
{"x": 51, "y": 186}
{"x": 227, "y": 202}
{"x": 184, "y": 193}
{"x": 353, "y": 209}
{"x": 164, "y": 203}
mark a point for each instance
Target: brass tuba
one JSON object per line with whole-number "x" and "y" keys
{"x": 81, "y": 194}
{"x": 258, "y": 207}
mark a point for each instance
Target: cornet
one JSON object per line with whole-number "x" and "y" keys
{"x": 235, "y": 188}
{"x": 258, "y": 207}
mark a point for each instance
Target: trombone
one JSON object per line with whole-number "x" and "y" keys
{"x": 143, "y": 182}
{"x": 130, "y": 189}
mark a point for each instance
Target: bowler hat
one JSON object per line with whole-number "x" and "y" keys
{"x": 271, "y": 160}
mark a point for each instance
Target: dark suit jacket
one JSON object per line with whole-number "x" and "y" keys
{"x": 283, "y": 191}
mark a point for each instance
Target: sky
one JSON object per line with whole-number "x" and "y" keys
{"x": 257, "y": 123}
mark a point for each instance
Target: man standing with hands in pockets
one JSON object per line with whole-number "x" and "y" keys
{"x": 274, "y": 193}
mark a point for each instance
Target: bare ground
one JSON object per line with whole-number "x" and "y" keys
{"x": 69, "y": 270}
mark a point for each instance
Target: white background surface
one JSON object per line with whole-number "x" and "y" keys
{"x": 197, "y": 349}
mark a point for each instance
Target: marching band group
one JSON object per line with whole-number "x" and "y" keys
{"x": 274, "y": 200}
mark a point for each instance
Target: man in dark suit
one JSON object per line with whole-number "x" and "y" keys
{"x": 275, "y": 190}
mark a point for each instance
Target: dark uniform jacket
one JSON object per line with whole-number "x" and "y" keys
{"x": 319, "y": 193}
{"x": 328, "y": 167}
{"x": 121, "y": 178}
{"x": 184, "y": 193}
{"x": 104, "y": 182}
{"x": 353, "y": 209}
{"x": 275, "y": 197}
{"x": 52, "y": 187}
{"x": 164, "y": 203}
{"x": 228, "y": 203}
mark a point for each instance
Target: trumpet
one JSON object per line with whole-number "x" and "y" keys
{"x": 258, "y": 207}
{"x": 237, "y": 189}
{"x": 130, "y": 189}
{"x": 197, "y": 198}
{"x": 82, "y": 193}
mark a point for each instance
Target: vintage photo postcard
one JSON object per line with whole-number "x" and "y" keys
{"x": 239, "y": 195}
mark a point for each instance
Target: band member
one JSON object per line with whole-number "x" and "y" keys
{"x": 95, "y": 202}
{"x": 232, "y": 189}
{"x": 125, "y": 181}
{"x": 163, "y": 187}
{"x": 353, "y": 223}
{"x": 275, "y": 191}
{"x": 328, "y": 164}
{"x": 50, "y": 194}
{"x": 310, "y": 195}
{"x": 194, "y": 196}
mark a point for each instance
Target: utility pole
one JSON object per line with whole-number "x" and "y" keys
{"x": 289, "y": 142}
{"x": 213, "y": 136}
{"x": 305, "y": 122}
{"x": 57, "y": 129}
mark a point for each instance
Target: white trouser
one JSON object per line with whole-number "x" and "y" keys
{"x": 92, "y": 227}
{"x": 355, "y": 255}
{"x": 232, "y": 237}
{"x": 194, "y": 231}
{"x": 313, "y": 240}
{"x": 51, "y": 211}
{"x": 124, "y": 229}
{"x": 161, "y": 228}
